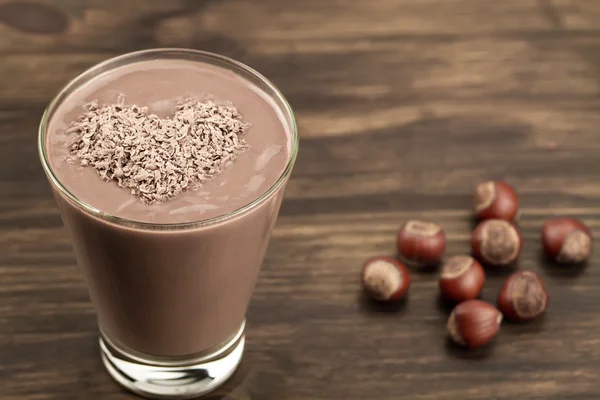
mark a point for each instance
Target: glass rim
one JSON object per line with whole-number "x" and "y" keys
{"x": 73, "y": 83}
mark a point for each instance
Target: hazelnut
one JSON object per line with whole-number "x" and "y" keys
{"x": 496, "y": 199}
{"x": 523, "y": 296}
{"x": 474, "y": 323}
{"x": 462, "y": 278}
{"x": 422, "y": 243}
{"x": 496, "y": 242}
{"x": 385, "y": 278}
{"x": 567, "y": 240}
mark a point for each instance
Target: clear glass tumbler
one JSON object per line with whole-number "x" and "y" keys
{"x": 153, "y": 342}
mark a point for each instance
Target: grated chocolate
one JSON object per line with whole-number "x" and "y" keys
{"x": 157, "y": 158}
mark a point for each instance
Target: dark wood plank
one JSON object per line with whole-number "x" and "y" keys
{"x": 403, "y": 105}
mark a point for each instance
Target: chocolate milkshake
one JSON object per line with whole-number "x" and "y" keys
{"x": 170, "y": 268}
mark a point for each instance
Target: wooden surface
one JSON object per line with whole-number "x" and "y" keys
{"x": 403, "y": 106}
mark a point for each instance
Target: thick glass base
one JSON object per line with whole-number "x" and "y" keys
{"x": 185, "y": 379}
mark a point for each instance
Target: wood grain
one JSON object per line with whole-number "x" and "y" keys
{"x": 403, "y": 106}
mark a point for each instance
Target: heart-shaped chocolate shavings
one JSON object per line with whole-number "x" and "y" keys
{"x": 157, "y": 158}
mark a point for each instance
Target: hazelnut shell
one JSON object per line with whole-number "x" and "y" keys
{"x": 462, "y": 278}
{"x": 421, "y": 242}
{"x": 474, "y": 323}
{"x": 523, "y": 296}
{"x": 566, "y": 240}
{"x": 385, "y": 278}
{"x": 496, "y": 199}
{"x": 496, "y": 242}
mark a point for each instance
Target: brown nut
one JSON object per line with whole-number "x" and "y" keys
{"x": 523, "y": 296}
{"x": 462, "y": 278}
{"x": 422, "y": 243}
{"x": 385, "y": 279}
{"x": 496, "y": 242}
{"x": 496, "y": 199}
{"x": 474, "y": 323}
{"x": 567, "y": 240}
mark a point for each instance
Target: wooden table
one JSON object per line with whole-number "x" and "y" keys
{"x": 403, "y": 105}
